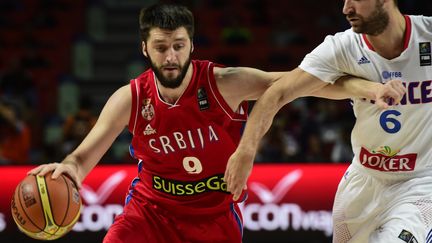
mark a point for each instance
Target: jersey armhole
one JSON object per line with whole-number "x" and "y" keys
{"x": 134, "y": 107}
{"x": 241, "y": 113}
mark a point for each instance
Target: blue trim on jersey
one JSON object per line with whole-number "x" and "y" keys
{"x": 140, "y": 165}
{"x": 128, "y": 197}
{"x": 131, "y": 190}
{"x": 237, "y": 218}
{"x": 429, "y": 237}
{"x": 131, "y": 151}
{"x": 245, "y": 196}
{"x": 135, "y": 180}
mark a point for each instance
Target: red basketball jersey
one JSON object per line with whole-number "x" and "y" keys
{"x": 183, "y": 148}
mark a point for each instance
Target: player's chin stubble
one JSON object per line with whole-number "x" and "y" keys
{"x": 375, "y": 24}
{"x": 170, "y": 82}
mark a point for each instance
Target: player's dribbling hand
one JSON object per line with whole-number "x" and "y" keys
{"x": 58, "y": 169}
{"x": 390, "y": 93}
{"x": 238, "y": 169}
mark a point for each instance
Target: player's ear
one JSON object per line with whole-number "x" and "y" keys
{"x": 144, "y": 48}
{"x": 192, "y": 47}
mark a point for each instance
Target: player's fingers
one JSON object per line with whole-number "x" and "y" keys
{"x": 230, "y": 184}
{"x": 35, "y": 171}
{"x": 67, "y": 171}
{"x": 46, "y": 169}
{"x": 228, "y": 181}
{"x": 237, "y": 189}
{"x": 381, "y": 103}
{"x": 398, "y": 87}
{"x": 57, "y": 172}
{"x": 396, "y": 93}
{"x": 393, "y": 97}
{"x": 237, "y": 194}
{"x": 401, "y": 92}
{"x": 226, "y": 174}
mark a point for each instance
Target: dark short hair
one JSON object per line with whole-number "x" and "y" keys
{"x": 165, "y": 16}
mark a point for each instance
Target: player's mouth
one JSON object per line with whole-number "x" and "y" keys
{"x": 353, "y": 20}
{"x": 170, "y": 69}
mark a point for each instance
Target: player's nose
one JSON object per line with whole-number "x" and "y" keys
{"x": 171, "y": 55}
{"x": 347, "y": 7}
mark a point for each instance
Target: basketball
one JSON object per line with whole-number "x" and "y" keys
{"x": 44, "y": 208}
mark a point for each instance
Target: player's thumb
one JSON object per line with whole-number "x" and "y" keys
{"x": 381, "y": 103}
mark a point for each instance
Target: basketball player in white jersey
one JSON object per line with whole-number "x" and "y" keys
{"x": 386, "y": 194}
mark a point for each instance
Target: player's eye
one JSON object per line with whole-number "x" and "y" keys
{"x": 160, "y": 48}
{"x": 178, "y": 47}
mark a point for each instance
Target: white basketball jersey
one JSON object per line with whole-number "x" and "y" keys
{"x": 398, "y": 141}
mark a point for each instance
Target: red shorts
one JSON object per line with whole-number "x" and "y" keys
{"x": 142, "y": 221}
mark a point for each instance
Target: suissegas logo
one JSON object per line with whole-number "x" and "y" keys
{"x": 272, "y": 215}
{"x": 94, "y": 215}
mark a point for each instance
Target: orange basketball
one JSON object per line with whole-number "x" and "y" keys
{"x": 44, "y": 208}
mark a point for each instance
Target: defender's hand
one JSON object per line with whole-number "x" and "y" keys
{"x": 237, "y": 172}
{"x": 390, "y": 93}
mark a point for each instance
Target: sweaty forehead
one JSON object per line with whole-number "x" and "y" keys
{"x": 157, "y": 35}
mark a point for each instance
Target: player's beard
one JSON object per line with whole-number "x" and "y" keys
{"x": 170, "y": 82}
{"x": 373, "y": 25}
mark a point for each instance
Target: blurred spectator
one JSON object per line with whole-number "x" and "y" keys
{"x": 201, "y": 40}
{"x": 284, "y": 34}
{"x": 82, "y": 58}
{"x": 96, "y": 21}
{"x": 234, "y": 29}
{"x": 68, "y": 95}
{"x": 278, "y": 145}
{"x": 16, "y": 83}
{"x": 43, "y": 19}
{"x": 78, "y": 125}
{"x": 33, "y": 59}
{"x": 15, "y": 136}
{"x": 313, "y": 150}
{"x": 259, "y": 12}
{"x": 236, "y": 34}
{"x": 135, "y": 67}
{"x": 342, "y": 151}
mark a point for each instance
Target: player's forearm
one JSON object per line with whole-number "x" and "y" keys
{"x": 349, "y": 87}
{"x": 259, "y": 121}
{"x": 290, "y": 86}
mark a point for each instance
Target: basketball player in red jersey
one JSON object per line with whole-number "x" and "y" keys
{"x": 186, "y": 117}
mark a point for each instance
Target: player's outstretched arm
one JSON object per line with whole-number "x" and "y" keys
{"x": 291, "y": 85}
{"x": 349, "y": 87}
{"x": 112, "y": 120}
{"x": 237, "y": 84}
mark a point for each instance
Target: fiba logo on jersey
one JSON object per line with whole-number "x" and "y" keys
{"x": 203, "y": 102}
{"x": 425, "y": 54}
{"x": 272, "y": 215}
{"x": 147, "y": 111}
{"x": 94, "y": 215}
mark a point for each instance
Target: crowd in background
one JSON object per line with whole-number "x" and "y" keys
{"x": 48, "y": 50}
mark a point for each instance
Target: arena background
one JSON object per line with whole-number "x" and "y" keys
{"x": 62, "y": 59}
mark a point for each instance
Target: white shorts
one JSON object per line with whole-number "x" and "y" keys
{"x": 367, "y": 209}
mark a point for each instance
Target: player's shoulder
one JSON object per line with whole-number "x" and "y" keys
{"x": 344, "y": 39}
{"x": 423, "y": 22}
